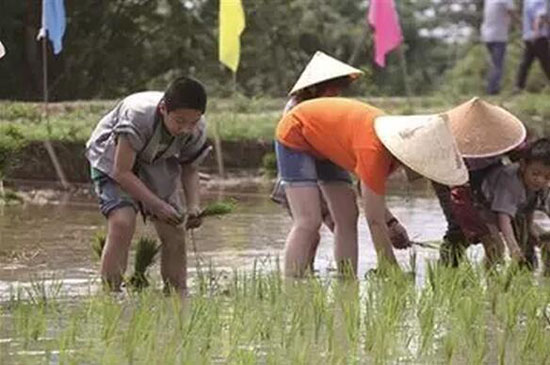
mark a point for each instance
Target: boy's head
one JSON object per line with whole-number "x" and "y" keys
{"x": 183, "y": 104}
{"x": 535, "y": 165}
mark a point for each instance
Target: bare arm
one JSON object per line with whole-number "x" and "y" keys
{"x": 125, "y": 158}
{"x": 191, "y": 187}
{"x": 505, "y": 226}
{"x": 376, "y": 212}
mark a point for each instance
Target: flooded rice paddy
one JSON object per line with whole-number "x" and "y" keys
{"x": 52, "y": 238}
{"x": 241, "y": 311}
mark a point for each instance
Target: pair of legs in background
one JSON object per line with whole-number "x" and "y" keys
{"x": 535, "y": 49}
{"x": 121, "y": 213}
{"x": 305, "y": 178}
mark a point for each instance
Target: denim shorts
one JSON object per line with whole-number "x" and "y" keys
{"x": 300, "y": 168}
{"x": 111, "y": 196}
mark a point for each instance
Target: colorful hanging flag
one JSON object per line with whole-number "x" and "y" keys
{"x": 232, "y": 24}
{"x": 53, "y": 23}
{"x": 387, "y": 32}
{"x": 2, "y": 50}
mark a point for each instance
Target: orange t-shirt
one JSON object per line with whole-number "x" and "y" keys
{"x": 342, "y": 131}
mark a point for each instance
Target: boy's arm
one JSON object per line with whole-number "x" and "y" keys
{"x": 375, "y": 212}
{"x": 191, "y": 188}
{"x": 505, "y": 226}
{"x": 125, "y": 158}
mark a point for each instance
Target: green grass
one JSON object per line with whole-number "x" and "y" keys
{"x": 239, "y": 118}
{"x": 458, "y": 316}
{"x": 236, "y": 119}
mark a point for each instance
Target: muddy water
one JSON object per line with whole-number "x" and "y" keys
{"x": 52, "y": 241}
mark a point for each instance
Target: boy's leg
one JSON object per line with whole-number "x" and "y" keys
{"x": 121, "y": 224}
{"x": 173, "y": 258}
{"x": 342, "y": 205}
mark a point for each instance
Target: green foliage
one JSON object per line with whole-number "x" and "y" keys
{"x": 144, "y": 44}
{"x": 10, "y": 197}
{"x": 269, "y": 164}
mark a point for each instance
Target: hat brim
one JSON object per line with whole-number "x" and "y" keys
{"x": 425, "y": 144}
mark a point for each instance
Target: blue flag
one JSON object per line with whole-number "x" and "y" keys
{"x": 53, "y": 23}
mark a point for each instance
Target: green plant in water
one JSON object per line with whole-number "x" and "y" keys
{"x": 146, "y": 250}
{"x": 98, "y": 244}
{"x": 221, "y": 207}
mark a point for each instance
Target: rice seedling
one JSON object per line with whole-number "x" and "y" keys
{"x": 98, "y": 244}
{"x": 462, "y": 315}
{"x": 146, "y": 250}
{"x": 221, "y": 207}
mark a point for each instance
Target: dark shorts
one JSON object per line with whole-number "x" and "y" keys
{"x": 111, "y": 196}
{"x": 298, "y": 168}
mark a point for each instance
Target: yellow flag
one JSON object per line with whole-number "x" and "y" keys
{"x": 231, "y": 26}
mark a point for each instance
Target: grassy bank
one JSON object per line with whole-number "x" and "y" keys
{"x": 457, "y": 316}
{"x": 239, "y": 118}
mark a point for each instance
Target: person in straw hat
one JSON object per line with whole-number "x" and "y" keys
{"x": 324, "y": 76}
{"x": 357, "y": 137}
{"x": 505, "y": 200}
{"x": 473, "y": 124}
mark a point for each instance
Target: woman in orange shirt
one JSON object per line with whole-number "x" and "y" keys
{"x": 324, "y": 76}
{"x": 320, "y": 140}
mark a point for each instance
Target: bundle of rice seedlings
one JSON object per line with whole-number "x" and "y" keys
{"x": 98, "y": 243}
{"x": 219, "y": 208}
{"x": 146, "y": 250}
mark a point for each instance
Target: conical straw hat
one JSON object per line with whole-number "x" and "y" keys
{"x": 425, "y": 144}
{"x": 484, "y": 130}
{"x": 2, "y": 50}
{"x": 323, "y": 67}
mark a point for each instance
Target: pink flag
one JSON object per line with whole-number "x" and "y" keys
{"x": 387, "y": 31}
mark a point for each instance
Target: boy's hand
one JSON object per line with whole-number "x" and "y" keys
{"x": 194, "y": 219}
{"x": 398, "y": 235}
{"x": 167, "y": 213}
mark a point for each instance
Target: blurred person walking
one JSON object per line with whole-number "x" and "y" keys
{"x": 497, "y": 17}
{"x": 535, "y": 38}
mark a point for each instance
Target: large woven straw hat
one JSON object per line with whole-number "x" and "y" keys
{"x": 2, "y": 50}
{"x": 323, "y": 67}
{"x": 484, "y": 130}
{"x": 425, "y": 144}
